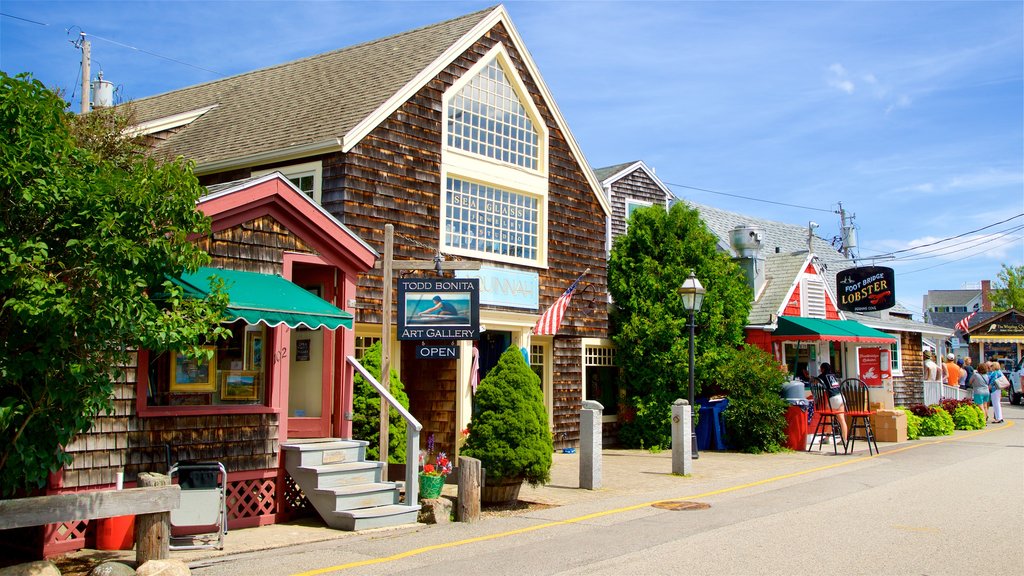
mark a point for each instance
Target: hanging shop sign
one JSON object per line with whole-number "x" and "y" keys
{"x": 866, "y": 289}
{"x": 438, "y": 309}
{"x": 437, "y": 352}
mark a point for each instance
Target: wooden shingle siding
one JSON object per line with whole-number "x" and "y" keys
{"x": 432, "y": 398}
{"x": 239, "y": 441}
{"x": 254, "y": 246}
{"x": 635, "y": 186}
{"x": 909, "y": 388}
{"x": 568, "y": 392}
{"x": 102, "y": 451}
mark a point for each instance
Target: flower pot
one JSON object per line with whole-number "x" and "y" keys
{"x": 501, "y": 491}
{"x": 430, "y": 486}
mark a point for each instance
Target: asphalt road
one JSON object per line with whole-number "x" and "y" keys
{"x": 952, "y": 505}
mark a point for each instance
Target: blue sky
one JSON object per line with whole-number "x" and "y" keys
{"x": 909, "y": 113}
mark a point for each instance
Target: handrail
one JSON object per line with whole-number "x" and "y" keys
{"x": 412, "y": 435}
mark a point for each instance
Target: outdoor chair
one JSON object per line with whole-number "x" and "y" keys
{"x": 828, "y": 419}
{"x": 858, "y": 408}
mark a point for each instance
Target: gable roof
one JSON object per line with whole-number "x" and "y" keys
{"x": 951, "y": 297}
{"x": 781, "y": 272}
{"x": 273, "y": 109}
{"x": 781, "y": 238}
{"x": 609, "y": 175}
{"x": 271, "y": 114}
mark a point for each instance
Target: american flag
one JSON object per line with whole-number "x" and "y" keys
{"x": 962, "y": 325}
{"x": 551, "y": 319}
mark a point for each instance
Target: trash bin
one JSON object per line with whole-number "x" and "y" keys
{"x": 117, "y": 533}
{"x": 796, "y": 424}
{"x": 710, "y": 432}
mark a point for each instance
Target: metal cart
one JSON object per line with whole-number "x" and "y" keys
{"x": 201, "y": 521}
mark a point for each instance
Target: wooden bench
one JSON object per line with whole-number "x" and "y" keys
{"x": 151, "y": 506}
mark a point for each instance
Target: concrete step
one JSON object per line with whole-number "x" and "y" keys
{"x": 325, "y": 451}
{"x": 378, "y": 517}
{"x": 355, "y": 496}
{"x": 335, "y": 475}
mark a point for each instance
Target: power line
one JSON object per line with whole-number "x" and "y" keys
{"x": 23, "y": 19}
{"x": 972, "y": 243}
{"x": 959, "y": 259}
{"x": 157, "y": 55}
{"x": 748, "y": 198}
{"x": 950, "y": 238}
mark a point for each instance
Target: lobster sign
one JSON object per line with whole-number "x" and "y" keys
{"x": 866, "y": 289}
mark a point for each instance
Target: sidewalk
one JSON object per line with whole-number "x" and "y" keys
{"x": 626, "y": 474}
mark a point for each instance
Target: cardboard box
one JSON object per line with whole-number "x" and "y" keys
{"x": 889, "y": 425}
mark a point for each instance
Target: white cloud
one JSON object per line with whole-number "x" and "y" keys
{"x": 840, "y": 79}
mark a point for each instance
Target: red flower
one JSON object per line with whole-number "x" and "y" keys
{"x": 428, "y": 468}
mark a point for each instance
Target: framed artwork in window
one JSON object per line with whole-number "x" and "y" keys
{"x": 192, "y": 375}
{"x": 239, "y": 385}
{"x": 254, "y": 350}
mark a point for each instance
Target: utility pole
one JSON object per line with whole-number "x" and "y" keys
{"x": 86, "y": 73}
{"x": 848, "y": 234}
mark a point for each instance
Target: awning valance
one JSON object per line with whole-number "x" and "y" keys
{"x": 819, "y": 329}
{"x": 272, "y": 300}
{"x": 998, "y": 338}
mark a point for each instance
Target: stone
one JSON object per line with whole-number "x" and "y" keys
{"x": 38, "y": 568}
{"x": 112, "y": 569}
{"x": 435, "y": 511}
{"x": 163, "y": 568}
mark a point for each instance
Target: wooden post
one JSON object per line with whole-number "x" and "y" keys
{"x": 385, "y": 348}
{"x": 152, "y": 531}
{"x": 470, "y": 474}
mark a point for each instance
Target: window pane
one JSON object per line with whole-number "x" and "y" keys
{"x": 492, "y": 214}
{"x": 490, "y": 120}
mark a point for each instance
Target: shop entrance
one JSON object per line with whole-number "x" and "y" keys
{"x": 310, "y": 357}
{"x": 493, "y": 343}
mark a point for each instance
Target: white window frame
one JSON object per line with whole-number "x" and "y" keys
{"x": 896, "y": 352}
{"x": 539, "y": 235}
{"x": 314, "y": 169}
{"x": 545, "y": 346}
{"x": 585, "y": 345}
{"x": 477, "y": 168}
{"x": 633, "y": 203}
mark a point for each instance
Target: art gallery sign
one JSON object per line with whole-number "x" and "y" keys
{"x": 438, "y": 309}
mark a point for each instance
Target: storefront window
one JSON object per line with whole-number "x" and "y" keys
{"x": 602, "y": 378}
{"x": 234, "y": 375}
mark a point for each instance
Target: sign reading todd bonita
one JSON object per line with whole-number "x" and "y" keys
{"x": 438, "y": 308}
{"x": 866, "y": 289}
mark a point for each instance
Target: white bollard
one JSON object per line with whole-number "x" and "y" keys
{"x": 590, "y": 445}
{"x": 682, "y": 445}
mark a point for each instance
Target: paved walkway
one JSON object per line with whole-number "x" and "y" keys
{"x": 626, "y": 474}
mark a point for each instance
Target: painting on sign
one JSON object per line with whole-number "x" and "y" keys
{"x": 438, "y": 309}
{"x": 866, "y": 289}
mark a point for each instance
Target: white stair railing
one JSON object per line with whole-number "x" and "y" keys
{"x": 412, "y": 436}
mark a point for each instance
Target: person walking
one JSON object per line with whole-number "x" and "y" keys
{"x": 995, "y": 393}
{"x": 969, "y": 368}
{"x": 980, "y": 386}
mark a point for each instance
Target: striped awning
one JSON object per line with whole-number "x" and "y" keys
{"x": 267, "y": 299}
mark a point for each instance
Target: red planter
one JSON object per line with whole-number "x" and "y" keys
{"x": 117, "y": 533}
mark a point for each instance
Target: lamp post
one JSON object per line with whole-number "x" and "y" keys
{"x": 693, "y": 296}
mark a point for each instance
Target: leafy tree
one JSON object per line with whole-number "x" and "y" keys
{"x": 756, "y": 417}
{"x": 648, "y": 265}
{"x": 366, "y": 410}
{"x": 90, "y": 230}
{"x": 509, "y": 431}
{"x": 1008, "y": 291}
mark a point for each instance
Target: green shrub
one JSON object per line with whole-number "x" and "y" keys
{"x": 940, "y": 423}
{"x": 366, "y": 410}
{"x": 913, "y": 423}
{"x": 509, "y": 431}
{"x": 968, "y": 417}
{"x": 755, "y": 420}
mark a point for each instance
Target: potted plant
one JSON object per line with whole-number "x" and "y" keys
{"x": 509, "y": 430}
{"x": 432, "y": 474}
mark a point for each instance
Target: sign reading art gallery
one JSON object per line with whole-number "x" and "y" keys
{"x": 438, "y": 308}
{"x": 866, "y": 289}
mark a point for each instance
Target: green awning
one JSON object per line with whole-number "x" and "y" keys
{"x": 269, "y": 299}
{"x": 819, "y": 329}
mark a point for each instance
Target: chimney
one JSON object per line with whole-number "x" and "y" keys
{"x": 986, "y": 304}
{"x": 746, "y": 241}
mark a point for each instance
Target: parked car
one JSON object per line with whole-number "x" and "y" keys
{"x": 1013, "y": 374}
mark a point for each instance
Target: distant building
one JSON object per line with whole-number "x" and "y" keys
{"x": 947, "y": 307}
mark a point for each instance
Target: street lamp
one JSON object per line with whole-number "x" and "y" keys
{"x": 693, "y": 296}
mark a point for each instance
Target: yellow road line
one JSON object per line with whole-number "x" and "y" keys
{"x": 578, "y": 519}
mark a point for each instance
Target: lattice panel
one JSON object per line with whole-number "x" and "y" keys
{"x": 295, "y": 501}
{"x": 66, "y": 532}
{"x": 250, "y": 498}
